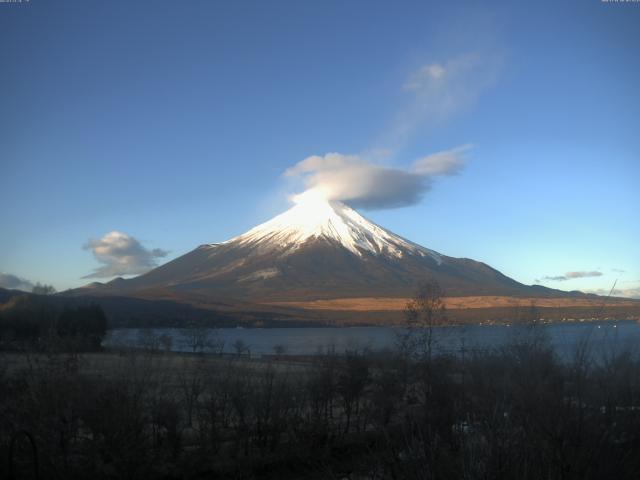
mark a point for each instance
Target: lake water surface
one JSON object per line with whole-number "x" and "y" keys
{"x": 604, "y": 337}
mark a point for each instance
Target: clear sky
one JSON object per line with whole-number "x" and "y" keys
{"x": 173, "y": 123}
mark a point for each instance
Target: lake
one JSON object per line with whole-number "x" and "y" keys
{"x": 604, "y": 337}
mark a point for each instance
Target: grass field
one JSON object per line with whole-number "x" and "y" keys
{"x": 364, "y": 304}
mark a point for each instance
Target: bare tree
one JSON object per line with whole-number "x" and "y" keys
{"x": 43, "y": 289}
{"x": 216, "y": 342}
{"x": 279, "y": 350}
{"x": 530, "y": 332}
{"x": 166, "y": 341}
{"x": 148, "y": 339}
{"x": 196, "y": 337}
{"x": 192, "y": 385}
{"x": 351, "y": 385}
{"x": 240, "y": 347}
{"x": 423, "y": 313}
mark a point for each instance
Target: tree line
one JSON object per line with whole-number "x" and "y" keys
{"x": 34, "y": 322}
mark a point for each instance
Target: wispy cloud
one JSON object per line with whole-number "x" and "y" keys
{"x": 359, "y": 182}
{"x": 439, "y": 90}
{"x": 8, "y": 280}
{"x": 448, "y": 162}
{"x": 572, "y": 276}
{"x": 121, "y": 254}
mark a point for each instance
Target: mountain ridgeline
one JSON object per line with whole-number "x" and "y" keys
{"x": 315, "y": 250}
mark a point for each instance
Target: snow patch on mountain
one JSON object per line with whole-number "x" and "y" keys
{"x": 260, "y": 275}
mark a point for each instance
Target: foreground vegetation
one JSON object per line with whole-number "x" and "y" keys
{"x": 69, "y": 410}
{"x": 516, "y": 412}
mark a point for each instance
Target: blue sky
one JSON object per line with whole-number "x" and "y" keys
{"x": 173, "y": 123}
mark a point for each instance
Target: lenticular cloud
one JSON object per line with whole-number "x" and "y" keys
{"x": 360, "y": 183}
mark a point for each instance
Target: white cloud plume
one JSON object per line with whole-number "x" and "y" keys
{"x": 121, "y": 254}
{"x": 360, "y": 183}
{"x": 434, "y": 92}
{"x": 10, "y": 281}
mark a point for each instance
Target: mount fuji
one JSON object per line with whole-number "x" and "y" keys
{"x": 317, "y": 250}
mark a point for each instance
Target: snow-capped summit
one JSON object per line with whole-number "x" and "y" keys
{"x": 332, "y": 221}
{"x": 317, "y": 249}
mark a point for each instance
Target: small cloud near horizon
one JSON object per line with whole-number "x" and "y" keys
{"x": 121, "y": 254}
{"x": 357, "y": 181}
{"x": 572, "y": 276}
{"x": 617, "y": 292}
{"x": 13, "y": 282}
